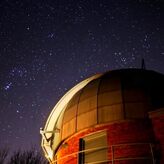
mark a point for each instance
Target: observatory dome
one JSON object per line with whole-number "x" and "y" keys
{"x": 126, "y": 94}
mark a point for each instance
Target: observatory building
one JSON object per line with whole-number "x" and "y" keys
{"x": 111, "y": 118}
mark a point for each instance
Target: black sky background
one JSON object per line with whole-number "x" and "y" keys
{"x": 48, "y": 46}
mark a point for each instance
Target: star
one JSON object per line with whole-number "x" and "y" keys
{"x": 8, "y": 86}
{"x": 51, "y": 35}
{"x": 28, "y": 28}
{"x": 17, "y": 111}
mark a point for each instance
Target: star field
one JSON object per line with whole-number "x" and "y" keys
{"x": 46, "y": 47}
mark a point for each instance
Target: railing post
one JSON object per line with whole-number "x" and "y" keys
{"x": 112, "y": 154}
{"x": 152, "y": 154}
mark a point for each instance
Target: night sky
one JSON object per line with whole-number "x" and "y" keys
{"x": 46, "y": 47}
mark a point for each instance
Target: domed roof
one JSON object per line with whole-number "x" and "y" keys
{"x": 105, "y": 98}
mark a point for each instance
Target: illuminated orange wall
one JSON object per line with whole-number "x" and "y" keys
{"x": 158, "y": 124}
{"x": 123, "y": 132}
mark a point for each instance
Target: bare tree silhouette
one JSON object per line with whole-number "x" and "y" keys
{"x": 3, "y": 154}
{"x": 27, "y": 157}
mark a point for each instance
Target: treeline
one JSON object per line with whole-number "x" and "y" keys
{"x": 21, "y": 157}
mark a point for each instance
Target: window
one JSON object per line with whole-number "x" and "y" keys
{"x": 93, "y": 148}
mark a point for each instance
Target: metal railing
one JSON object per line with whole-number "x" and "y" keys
{"x": 112, "y": 158}
{"x": 133, "y": 158}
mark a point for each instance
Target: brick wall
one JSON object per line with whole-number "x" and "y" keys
{"x": 122, "y": 133}
{"x": 158, "y": 126}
